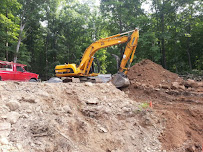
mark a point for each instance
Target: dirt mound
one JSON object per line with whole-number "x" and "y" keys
{"x": 150, "y": 73}
{"x": 43, "y": 117}
{"x": 178, "y": 102}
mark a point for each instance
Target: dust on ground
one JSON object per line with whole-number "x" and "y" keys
{"x": 177, "y": 101}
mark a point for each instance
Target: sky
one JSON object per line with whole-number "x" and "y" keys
{"x": 145, "y": 6}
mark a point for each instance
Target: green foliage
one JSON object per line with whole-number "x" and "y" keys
{"x": 59, "y": 31}
{"x": 8, "y": 27}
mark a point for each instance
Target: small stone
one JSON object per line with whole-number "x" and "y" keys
{"x": 199, "y": 89}
{"x": 4, "y": 117}
{"x": 13, "y": 105}
{"x": 165, "y": 87}
{"x": 175, "y": 85}
{"x": 103, "y": 130}
{"x": 151, "y": 86}
{"x": 200, "y": 84}
{"x": 25, "y": 115}
{"x": 5, "y": 129}
{"x": 19, "y": 146}
{"x": 38, "y": 109}
{"x": 13, "y": 117}
{"x": 29, "y": 111}
{"x": 182, "y": 87}
{"x": 126, "y": 109}
{"x": 4, "y": 141}
{"x": 67, "y": 109}
{"x": 89, "y": 84}
{"x": 92, "y": 101}
{"x": 29, "y": 99}
{"x": 108, "y": 84}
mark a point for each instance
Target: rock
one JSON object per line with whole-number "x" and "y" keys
{"x": 29, "y": 99}
{"x": 200, "y": 84}
{"x": 91, "y": 112}
{"x": 13, "y": 117}
{"x": 67, "y": 109}
{"x": 151, "y": 86}
{"x": 159, "y": 86}
{"x": 199, "y": 90}
{"x": 89, "y": 84}
{"x": 126, "y": 109}
{"x": 165, "y": 86}
{"x": 4, "y": 141}
{"x": 19, "y": 146}
{"x": 182, "y": 87}
{"x": 13, "y": 105}
{"x": 102, "y": 129}
{"x": 174, "y": 85}
{"x": 191, "y": 83}
{"x": 5, "y": 129}
{"x": 54, "y": 80}
{"x": 92, "y": 101}
{"x": 191, "y": 149}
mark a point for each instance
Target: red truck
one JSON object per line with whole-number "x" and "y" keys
{"x": 10, "y": 71}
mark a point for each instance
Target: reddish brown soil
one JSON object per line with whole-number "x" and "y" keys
{"x": 181, "y": 109}
{"x": 150, "y": 73}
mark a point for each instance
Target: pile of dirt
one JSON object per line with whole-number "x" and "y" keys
{"x": 85, "y": 117}
{"x": 150, "y": 73}
{"x": 177, "y": 101}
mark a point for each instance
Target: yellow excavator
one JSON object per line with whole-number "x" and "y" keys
{"x": 83, "y": 72}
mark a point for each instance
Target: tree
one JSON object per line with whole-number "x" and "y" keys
{"x": 8, "y": 27}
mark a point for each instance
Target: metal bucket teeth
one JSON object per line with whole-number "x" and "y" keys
{"x": 120, "y": 81}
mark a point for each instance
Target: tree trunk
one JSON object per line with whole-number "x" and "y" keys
{"x": 121, "y": 48}
{"x": 162, "y": 38}
{"x": 46, "y": 59}
{"x": 6, "y": 38}
{"x": 22, "y": 26}
{"x": 188, "y": 53}
{"x": 188, "y": 48}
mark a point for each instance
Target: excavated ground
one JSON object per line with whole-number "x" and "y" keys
{"x": 178, "y": 102}
{"x": 86, "y": 117}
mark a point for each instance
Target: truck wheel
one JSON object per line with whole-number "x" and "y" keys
{"x": 33, "y": 80}
{"x": 0, "y": 78}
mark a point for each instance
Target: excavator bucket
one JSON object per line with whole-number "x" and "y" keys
{"x": 120, "y": 80}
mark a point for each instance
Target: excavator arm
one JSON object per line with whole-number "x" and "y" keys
{"x": 120, "y": 79}
{"x": 88, "y": 55}
{"x": 129, "y": 51}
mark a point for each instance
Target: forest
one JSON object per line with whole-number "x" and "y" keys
{"x": 46, "y": 33}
